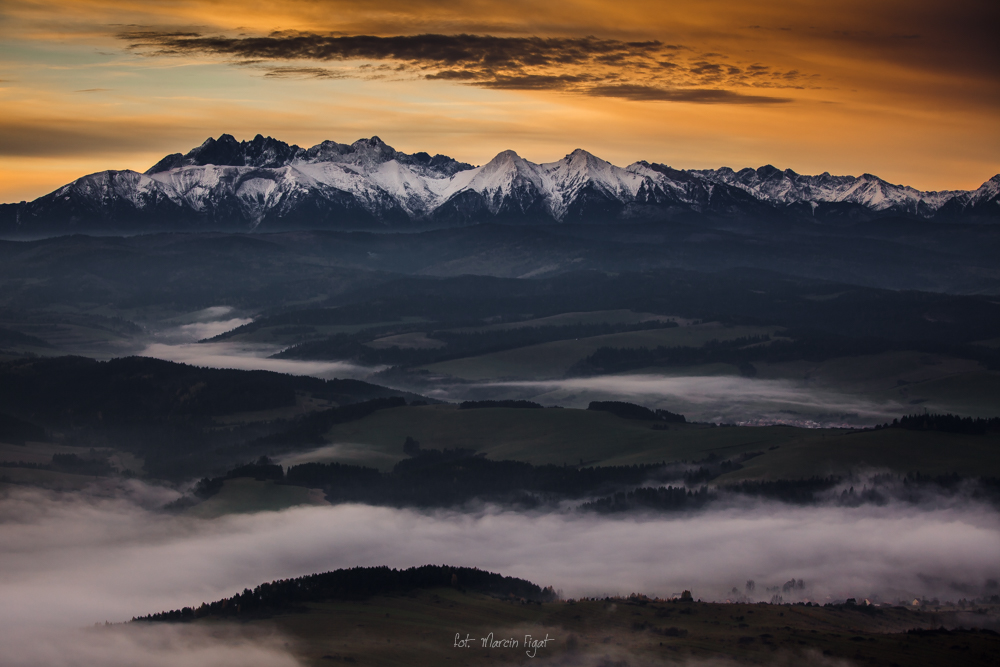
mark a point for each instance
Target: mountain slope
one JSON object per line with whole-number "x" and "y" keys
{"x": 266, "y": 184}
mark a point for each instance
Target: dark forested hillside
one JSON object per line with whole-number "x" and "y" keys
{"x": 80, "y": 391}
{"x": 742, "y": 352}
{"x": 166, "y": 412}
{"x": 357, "y": 584}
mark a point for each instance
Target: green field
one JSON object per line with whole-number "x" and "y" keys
{"x": 416, "y": 340}
{"x": 47, "y": 479}
{"x": 419, "y": 628}
{"x": 552, "y": 360}
{"x": 588, "y": 317}
{"x": 566, "y": 436}
{"x": 547, "y": 436}
{"x": 40, "y": 453}
{"x": 244, "y": 496}
{"x": 285, "y": 334}
{"x": 835, "y": 452}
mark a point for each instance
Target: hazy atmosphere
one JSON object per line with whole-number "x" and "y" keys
{"x": 72, "y": 547}
{"x": 578, "y": 333}
{"x": 840, "y": 88}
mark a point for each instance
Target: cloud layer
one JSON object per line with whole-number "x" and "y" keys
{"x": 160, "y": 645}
{"x": 679, "y": 83}
{"x": 635, "y": 70}
{"x": 74, "y": 559}
{"x": 249, "y": 357}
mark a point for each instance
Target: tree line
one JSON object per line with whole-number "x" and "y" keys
{"x": 449, "y": 477}
{"x": 357, "y": 583}
{"x": 627, "y": 410}
{"x": 743, "y": 351}
{"x": 946, "y": 423}
{"x": 456, "y": 344}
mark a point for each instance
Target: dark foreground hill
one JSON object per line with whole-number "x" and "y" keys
{"x": 378, "y": 616}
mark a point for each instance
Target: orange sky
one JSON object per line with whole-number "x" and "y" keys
{"x": 906, "y": 90}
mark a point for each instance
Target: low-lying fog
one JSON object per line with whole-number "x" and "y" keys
{"x": 69, "y": 560}
{"x": 72, "y": 558}
{"x": 717, "y": 398}
{"x": 179, "y": 342}
{"x": 251, "y": 357}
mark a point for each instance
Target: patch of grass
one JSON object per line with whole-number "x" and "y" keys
{"x": 552, "y": 360}
{"x": 825, "y": 452}
{"x": 975, "y": 394}
{"x": 247, "y": 495}
{"x": 290, "y": 334}
{"x": 47, "y": 479}
{"x": 589, "y": 317}
{"x": 554, "y": 436}
{"x": 567, "y": 436}
{"x": 416, "y": 340}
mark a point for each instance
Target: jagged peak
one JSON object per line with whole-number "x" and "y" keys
{"x": 581, "y": 154}
{"x": 379, "y": 176}
{"x": 373, "y": 142}
{"x": 507, "y": 157}
{"x": 507, "y": 160}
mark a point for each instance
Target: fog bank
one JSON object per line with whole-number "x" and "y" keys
{"x": 159, "y": 645}
{"x": 71, "y": 559}
{"x": 251, "y": 357}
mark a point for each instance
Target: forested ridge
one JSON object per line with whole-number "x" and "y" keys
{"x": 357, "y": 583}
{"x": 792, "y": 346}
{"x": 454, "y": 477}
{"x": 166, "y": 413}
{"x": 455, "y": 344}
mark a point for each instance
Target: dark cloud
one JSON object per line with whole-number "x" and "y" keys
{"x": 534, "y": 82}
{"x": 455, "y": 75}
{"x": 697, "y": 95}
{"x": 634, "y": 70}
{"x": 446, "y": 50}
{"x": 302, "y": 73}
{"x": 702, "y": 67}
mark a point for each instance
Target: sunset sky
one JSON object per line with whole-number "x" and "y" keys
{"x": 909, "y": 90}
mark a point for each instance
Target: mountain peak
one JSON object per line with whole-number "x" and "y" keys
{"x": 506, "y": 156}
{"x": 581, "y": 154}
{"x": 227, "y": 182}
{"x": 226, "y": 151}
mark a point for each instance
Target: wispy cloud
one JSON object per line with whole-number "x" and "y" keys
{"x": 73, "y": 559}
{"x": 159, "y": 645}
{"x": 251, "y": 357}
{"x": 633, "y": 70}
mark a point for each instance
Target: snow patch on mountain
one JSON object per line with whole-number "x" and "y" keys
{"x": 265, "y": 181}
{"x": 786, "y": 187}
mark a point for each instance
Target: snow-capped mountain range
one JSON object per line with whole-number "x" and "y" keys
{"x": 266, "y": 184}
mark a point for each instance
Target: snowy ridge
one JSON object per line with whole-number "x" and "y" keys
{"x": 787, "y": 187}
{"x": 265, "y": 183}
